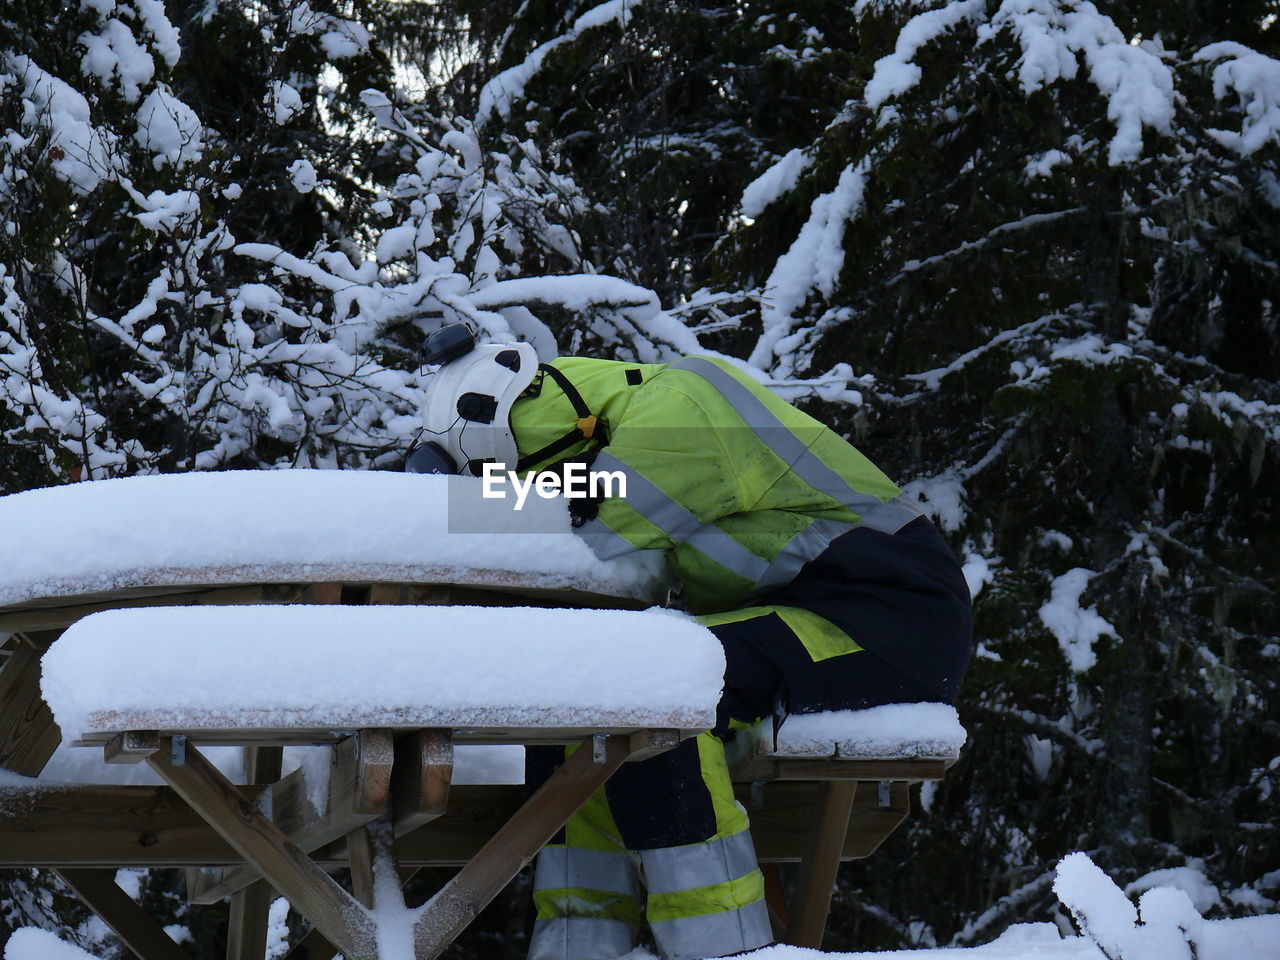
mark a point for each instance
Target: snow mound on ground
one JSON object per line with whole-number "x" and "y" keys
{"x": 286, "y": 526}
{"x": 345, "y": 667}
{"x": 31, "y": 943}
{"x": 924, "y": 730}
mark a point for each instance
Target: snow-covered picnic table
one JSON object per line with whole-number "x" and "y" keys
{"x": 364, "y": 611}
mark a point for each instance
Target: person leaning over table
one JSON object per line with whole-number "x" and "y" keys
{"x": 826, "y": 586}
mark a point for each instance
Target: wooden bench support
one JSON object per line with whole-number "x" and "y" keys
{"x": 28, "y": 735}
{"x": 519, "y": 839}
{"x": 359, "y": 787}
{"x": 135, "y": 927}
{"x": 247, "y": 922}
{"x": 313, "y": 945}
{"x": 311, "y": 891}
{"x": 421, "y": 778}
{"x": 251, "y": 907}
{"x": 822, "y": 858}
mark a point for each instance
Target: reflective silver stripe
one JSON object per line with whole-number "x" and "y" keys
{"x": 603, "y": 541}
{"x": 580, "y": 938}
{"x": 714, "y": 934}
{"x": 676, "y": 522}
{"x": 806, "y": 545}
{"x": 579, "y": 868}
{"x": 654, "y": 505}
{"x": 671, "y": 869}
{"x": 887, "y": 517}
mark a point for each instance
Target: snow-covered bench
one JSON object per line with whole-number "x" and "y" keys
{"x": 394, "y": 686}
{"x": 855, "y": 769}
{"x": 316, "y": 539}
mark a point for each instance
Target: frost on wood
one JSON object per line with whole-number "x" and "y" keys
{"x": 899, "y": 730}
{"x": 322, "y": 667}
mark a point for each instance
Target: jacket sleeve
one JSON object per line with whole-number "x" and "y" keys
{"x": 671, "y": 476}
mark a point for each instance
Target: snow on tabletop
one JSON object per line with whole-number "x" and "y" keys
{"x": 295, "y": 525}
{"x": 897, "y": 730}
{"x": 343, "y": 667}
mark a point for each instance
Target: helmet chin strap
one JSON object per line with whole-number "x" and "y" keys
{"x": 588, "y": 427}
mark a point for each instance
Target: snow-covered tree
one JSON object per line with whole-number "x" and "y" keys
{"x": 1024, "y": 252}
{"x": 1045, "y": 236}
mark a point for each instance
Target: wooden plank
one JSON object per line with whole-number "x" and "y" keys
{"x": 421, "y": 585}
{"x": 136, "y": 928}
{"x": 449, "y": 912}
{"x": 132, "y": 746}
{"x": 250, "y": 910}
{"x": 360, "y": 858}
{"x": 57, "y": 613}
{"x": 358, "y": 792}
{"x": 28, "y": 735}
{"x": 420, "y": 778}
{"x": 242, "y": 736}
{"x": 308, "y": 888}
{"x": 313, "y": 946}
{"x": 767, "y": 768}
{"x": 821, "y": 860}
{"x": 247, "y": 922}
{"x": 107, "y": 826}
{"x": 775, "y": 899}
{"x": 871, "y": 822}
{"x": 653, "y": 743}
{"x": 146, "y": 826}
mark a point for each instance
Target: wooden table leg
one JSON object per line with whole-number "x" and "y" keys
{"x": 136, "y": 928}
{"x": 311, "y": 891}
{"x": 358, "y": 790}
{"x": 251, "y": 907}
{"x": 821, "y": 861}
{"x": 313, "y": 945}
{"x": 520, "y": 838}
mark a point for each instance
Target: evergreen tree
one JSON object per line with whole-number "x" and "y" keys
{"x": 1049, "y": 243}
{"x": 1024, "y": 252}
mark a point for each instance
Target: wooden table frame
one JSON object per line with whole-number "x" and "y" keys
{"x": 388, "y": 804}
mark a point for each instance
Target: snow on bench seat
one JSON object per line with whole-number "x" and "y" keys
{"x": 897, "y": 731}
{"x": 309, "y": 667}
{"x": 286, "y": 526}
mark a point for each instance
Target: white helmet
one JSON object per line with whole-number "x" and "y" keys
{"x": 467, "y": 414}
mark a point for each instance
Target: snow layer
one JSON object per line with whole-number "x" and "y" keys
{"x": 1253, "y": 938}
{"x": 812, "y": 263}
{"x": 1054, "y": 37}
{"x": 500, "y": 93}
{"x": 779, "y": 179}
{"x": 296, "y": 525}
{"x": 1076, "y": 628}
{"x": 308, "y": 666}
{"x": 31, "y": 943}
{"x": 1255, "y": 79}
{"x": 924, "y": 730}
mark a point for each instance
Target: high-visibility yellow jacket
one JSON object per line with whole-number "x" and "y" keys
{"x": 741, "y": 488}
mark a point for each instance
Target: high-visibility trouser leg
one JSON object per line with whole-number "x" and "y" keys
{"x": 707, "y": 899}
{"x": 586, "y": 891}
